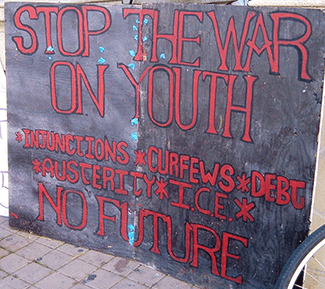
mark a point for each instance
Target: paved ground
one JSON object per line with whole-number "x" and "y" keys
{"x": 30, "y": 261}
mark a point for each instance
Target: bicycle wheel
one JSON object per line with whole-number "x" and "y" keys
{"x": 298, "y": 263}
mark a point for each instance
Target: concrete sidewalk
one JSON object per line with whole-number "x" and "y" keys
{"x": 30, "y": 261}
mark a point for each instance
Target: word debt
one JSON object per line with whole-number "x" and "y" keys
{"x": 254, "y": 22}
{"x": 173, "y": 109}
{"x": 218, "y": 252}
{"x": 276, "y": 189}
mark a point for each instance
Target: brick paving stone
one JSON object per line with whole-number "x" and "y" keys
{"x": 12, "y": 263}
{"x": 2, "y": 275}
{"x": 55, "y": 281}
{"x": 3, "y": 219}
{"x": 121, "y": 266}
{"x": 32, "y": 273}
{"x": 3, "y": 252}
{"x": 4, "y": 233}
{"x": 101, "y": 279}
{"x": 79, "y": 286}
{"x": 6, "y": 226}
{"x": 49, "y": 242}
{"x": 126, "y": 283}
{"x": 14, "y": 242}
{"x": 73, "y": 263}
{"x": 145, "y": 275}
{"x": 54, "y": 259}
{"x": 33, "y": 251}
{"x": 72, "y": 250}
{"x": 77, "y": 269}
{"x": 96, "y": 258}
{"x": 13, "y": 283}
{"x": 29, "y": 236}
{"x": 169, "y": 282}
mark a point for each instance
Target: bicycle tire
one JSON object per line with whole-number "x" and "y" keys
{"x": 299, "y": 259}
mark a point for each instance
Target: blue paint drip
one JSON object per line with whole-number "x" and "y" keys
{"x": 131, "y": 234}
{"x": 136, "y": 37}
{"x": 131, "y": 65}
{"x": 163, "y": 56}
{"x": 144, "y": 39}
{"x": 50, "y": 58}
{"x": 132, "y": 52}
{"x": 135, "y": 28}
{"x": 50, "y": 48}
{"x": 101, "y": 60}
{"x": 101, "y": 49}
{"x": 134, "y": 136}
{"x": 145, "y": 21}
{"x": 134, "y": 121}
{"x": 137, "y": 21}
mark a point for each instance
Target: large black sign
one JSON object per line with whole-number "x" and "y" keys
{"x": 179, "y": 135}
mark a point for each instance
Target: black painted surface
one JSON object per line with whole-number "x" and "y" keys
{"x": 29, "y": 106}
{"x": 223, "y": 232}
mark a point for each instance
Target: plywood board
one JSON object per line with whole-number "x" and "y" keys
{"x": 181, "y": 135}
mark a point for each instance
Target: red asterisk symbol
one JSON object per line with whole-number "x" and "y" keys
{"x": 243, "y": 182}
{"x": 161, "y": 189}
{"x": 37, "y": 166}
{"x": 244, "y": 210}
{"x": 19, "y": 136}
{"x": 140, "y": 157}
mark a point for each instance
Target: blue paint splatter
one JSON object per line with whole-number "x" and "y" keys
{"x": 50, "y": 58}
{"x": 101, "y": 60}
{"x": 145, "y": 21}
{"x": 134, "y": 136}
{"x": 134, "y": 121}
{"x": 101, "y": 49}
{"x": 131, "y": 234}
{"x": 137, "y": 21}
{"x": 144, "y": 39}
{"x": 132, "y": 52}
{"x": 135, "y": 28}
{"x": 163, "y": 56}
{"x": 50, "y": 48}
{"x": 136, "y": 37}
{"x": 131, "y": 65}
